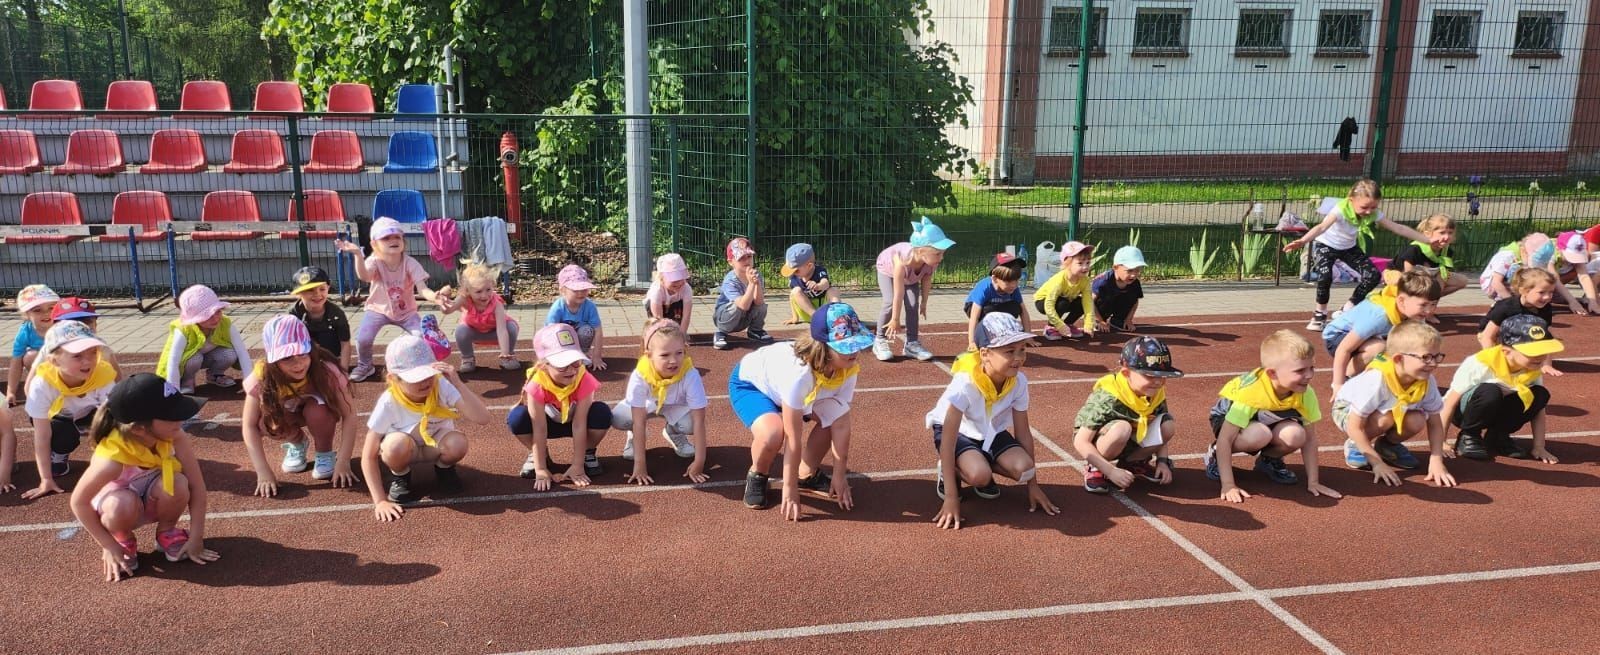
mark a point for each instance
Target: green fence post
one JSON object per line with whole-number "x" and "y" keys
{"x": 299, "y": 197}
{"x": 672, "y": 181}
{"x": 1079, "y": 124}
{"x": 1391, "y": 46}
{"x": 750, "y": 119}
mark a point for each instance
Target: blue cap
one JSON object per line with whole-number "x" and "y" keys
{"x": 837, "y": 325}
{"x": 1129, "y": 257}
{"x": 796, "y": 256}
{"x": 925, "y": 234}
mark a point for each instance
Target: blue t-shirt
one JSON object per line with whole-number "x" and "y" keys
{"x": 27, "y": 339}
{"x": 1366, "y": 320}
{"x": 587, "y": 314}
{"x": 818, "y": 274}
{"x": 732, "y": 287}
{"x": 985, "y": 295}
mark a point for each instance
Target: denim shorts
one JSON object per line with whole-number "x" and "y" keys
{"x": 1003, "y": 441}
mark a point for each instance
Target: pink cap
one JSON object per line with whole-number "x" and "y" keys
{"x": 671, "y": 267}
{"x": 71, "y": 336}
{"x": 573, "y": 277}
{"x": 739, "y": 248}
{"x": 410, "y": 358}
{"x": 384, "y": 227}
{"x": 34, "y": 295}
{"x": 1573, "y": 247}
{"x": 285, "y": 336}
{"x": 197, "y": 304}
{"x": 556, "y": 344}
{"x": 1071, "y": 249}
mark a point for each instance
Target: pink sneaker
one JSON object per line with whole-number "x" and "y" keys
{"x": 1052, "y": 334}
{"x": 1075, "y": 332}
{"x": 130, "y": 546}
{"x": 172, "y": 542}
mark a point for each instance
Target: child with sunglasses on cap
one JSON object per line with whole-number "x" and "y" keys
{"x": 905, "y": 278}
{"x": 202, "y": 337}
{"x": 34, "y": 303}
{"x": 664, "y": 384}
{"x": 1000, "y": 292}
{"x": 559, "y": 402}
{"x": 986, "y": 403}
{"x": 144, "y": 470}
{"x": 575, "y": 309}
{"x": 1124, "y": 422}
{"x": 1395, "y": 400}
{"x": 72, "y": 379}
{"x": 741, "y": 301}
{"x": 415, "y": 421}
{"x": 809, "y": 286}
{"x": 1270, "y": 412}
{"x": 298, "y": 390}
{"x": 1066, "y": 297}
{"x": 670, "y": 298}
{"x": 1500, "y": 389}
{"x": 396, "y": 278}
{"x": 326, "y": 321}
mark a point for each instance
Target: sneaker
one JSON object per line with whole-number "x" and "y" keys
{"x": 627, "y": 446}
{"x": 817, "y": 483}
{"x": 591, "y": 464}
{"x": 447, "y": 477}
{"x": 510, "y": 365}
{"x": 1052, "y": 334}
{"x": 758, "y": 335}
{"x": 680, "y": 443}
{"x": 989, "y": 491}
{"x": 1319, "y": 320}
{"x": 361, "y": 372}
{"x": 186, "y": 390}
{"x": 172, "y": 541}
{"x": 1353, "y": 457}
{"x": 1504, "y": 445}
{"x": 1396, "y": 455}
{"x": 1075, "y": 332}
{"x": 294, "y": 456}
{"x": 1142, "y": 469}
{"x": 1213, "y": 473}
{"x": 60, "y": 466}
{"x": 1095, "y": 482}
{"x": 323, "y": 469}
{"x": 130, "y": 547}
{"x": 938, "y": 487}
{"x": 882, "y": 350}
{"x": 915, "y": 349}
{"x": 719, "y": 341}
{"x": 467, "y": 366}
{"x": 1275, "y": 469}
{"x": 222, "y": 381}
{"x": 400, "y": 487}
{"x": 1471, "y": 446}
{"x": 530, "y": 467}
{"x": 755, "y": 490}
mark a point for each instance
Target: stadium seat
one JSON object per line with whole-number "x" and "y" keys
{"x": 351, "y": 97}
{"x": 205, "y": 95}
{"x": 19, "y": 153}
{"x": 232, "y": 207}
{"x": 279, "y": 96}
{"x": 55, "y": 95}
{"x": 92, "y": 152}
{"x": 322, "y": 206}
{"x": 404, "y": 205}
{"x": 415, "y": 99}
{"x": 130, "y": 95}
{"x": 146, "y": 209}
{"x": 256, "y": 151}
{"x": 175, "y": 151}
{"x": 335, "y": 151}
{"x": 49, "y": 208}
{"x": 412, "y": 152}
{"x": 3, "y": 98}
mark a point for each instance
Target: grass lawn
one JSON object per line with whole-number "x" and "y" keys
{"x": 1225, "y": 191}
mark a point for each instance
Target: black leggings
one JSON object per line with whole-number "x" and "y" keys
{"x": 1491, "y": 410}
{"x": 1322, "y": 259}
{"x": 65, "y": 433}
{"x": 1070, "y": 310}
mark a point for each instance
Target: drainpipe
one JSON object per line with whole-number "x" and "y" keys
{"x": 1003, "y": 160}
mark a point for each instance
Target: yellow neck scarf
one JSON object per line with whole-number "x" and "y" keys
{"x": 427, "y": 409}
{"x": 1116, "y": 384}
{"x": 968, "y": 363}
{"x": 294, "y": 390}
{"x": 1388, "y": 298}
{"x": 563, "y": 394}
{"x": 659, "y": 384}
{"x": 1495, "y": 358}
{"x": 1441, "y": 258}
{"x": 825, "y": 382}
{"x": 119, "y": 449}
{"x": 1254, "y": 389}
{"x": 1405, "y": 396}
{"x": 102, "y": 375}
{"x": 1363, "y": 224}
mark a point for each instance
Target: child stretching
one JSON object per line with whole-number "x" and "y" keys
{"x": 1433, "y": 260}
{"x": 326, "y": 321}
{"x": 1393, "y": 401}
{"x": 1270, "y": 412}
{"x": 1117, "y": 292}
{"x": 396, "y": 279}
{"x": 143, "y": 471}
{"x": 71, "y": 381}
{"x": 1065, "y": 297}
{"x": 1125, "y": 420}
{"x": 1533, "y": 251}
{"x": 34, "y": 302}
{"x": 575, "y": 309}
{"x": 905, "y": 277}
{"x": 202, "y": 337}
{"x": 664, "y": 384}
{"x": 414, "y": 421}
{"x": 777, "y": 389}
{"x": 670, "y": 298}
{"x": 1342, "y": 236}
{"x": 999, "y": 292}
{"x": 483, "y": 316}
{"x": 987, "y": 402}
{"x": 561, "y": 391}
{"x": 741, "y": 301}
{"x": 1535, "y": 288}
{"x": 1356, "y": 337}
{"x": 809, "y": 286}
{"x": 1500, "y": 389}
{"x": 298, "y": 389}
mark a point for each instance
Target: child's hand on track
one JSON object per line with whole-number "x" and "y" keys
{"x": 949, "y": 516}
{"x": 342, "y": 476}
{"x": 387, "y": 511}
{"x": 1439, "y": 476}
{"x": 266, "y": 487}
{"x": 1323, "y": 490}
{"x": 576, "y": 475}
{"x": 1037, "y": 500}
{"x": 1237, "y": 495}
{"x": 1381, "y": 472}
{"x": 196, "y": 551}
{"x": 1544, "y": 455}
{"x": 696, "y": 472}
{"x": 640, "y": 475}
{"x": 45, "y": 488}
{"x": 116, "y": 564}
{"x": 1120, "y": 476}
{"x": 841, "y": 492}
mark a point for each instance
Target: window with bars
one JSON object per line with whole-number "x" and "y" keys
{"x": 1064, "y": 31}
{"x": 1454, "y": 33}
{"x": 1342, "y": 32}
{"x": 1538, "y": 33}
{"x": 1263, "y": 32}
{"x": 1161, "y": 32}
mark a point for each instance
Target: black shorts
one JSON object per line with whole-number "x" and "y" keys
{"x": 1003, "y": 441}
{"x": 518, "y": 421}
{"x": 1219, "y": 418}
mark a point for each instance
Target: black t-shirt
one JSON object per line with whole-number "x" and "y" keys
{"x": 330, "y": 331}
{"x": 1412, "y": 254}
{"x": 1509, "y": 307}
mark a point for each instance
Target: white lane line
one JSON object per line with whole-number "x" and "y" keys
{"x": 1430, "y": 580}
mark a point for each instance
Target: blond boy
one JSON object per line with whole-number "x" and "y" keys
{"x": 1392, "y": 401}
{"x": 1270, "y": 412}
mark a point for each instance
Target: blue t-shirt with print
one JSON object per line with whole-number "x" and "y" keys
{"x": 587, "y": 314}
{"x": 732, "y": 287}
{"x": 27, "y": 339}
{"x": 1366, "y": 320}
{"x": 818, "y": 274}
{"x": 985, "y": 295}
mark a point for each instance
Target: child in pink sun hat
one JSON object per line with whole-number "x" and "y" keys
{"x": 574, "y": 308}
{"x": 670, "y": 297}
{"x": 558, "y": 402}
{"x": 202, "y": 337}
{"x": 298, "y": 390}
{"x": 396, "y": 278}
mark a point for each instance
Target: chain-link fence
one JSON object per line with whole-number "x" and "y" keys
{"x": 93, "y": 58}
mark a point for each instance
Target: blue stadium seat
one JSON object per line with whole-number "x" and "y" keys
{"x": 404, "y": 205}
{"x": 412, "y": 152}
{"x": 415, "y": 99}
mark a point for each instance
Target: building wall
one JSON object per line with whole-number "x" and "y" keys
{"x": 966, "y": 26}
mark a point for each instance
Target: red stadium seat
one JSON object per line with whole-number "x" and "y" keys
{"x": 279, "y": 96}
{"x": 335, "y": 151}
{"x": 19, "y": 153}
{"x": 55, "y": 95}
{"x": 3, "y": 98}
{"x": 175, "y": 151}
{"x": 92, "y": 152}
{"x": 49, "y": 208}
{"x": 352, "y": 98}
{"x": 146, "y": 209}
{"x": 232, "y": 207}
{"x": 322, "y": 205}
{"x": 205, "y": 95}
{"x": 256, "y": 151}
{"x": 130, "y": 95}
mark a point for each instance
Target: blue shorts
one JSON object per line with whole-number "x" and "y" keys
{"x": 520, "y": 423}
{"x": 748, "y": 401}
{"x": 1003, "y": 441}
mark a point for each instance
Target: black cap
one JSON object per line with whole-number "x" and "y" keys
{"x": 146, "y": 397}
{"x": 1149, "y": 356}
{"x": 1530, "y": 335}
{"x": 308, "y": 277}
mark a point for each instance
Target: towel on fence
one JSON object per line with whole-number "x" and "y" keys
{"x": 485, "y": 238}
{"x": 444, "y": 241}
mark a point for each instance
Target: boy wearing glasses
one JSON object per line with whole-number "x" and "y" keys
{"x": 1394, "y": 400}
{"x": 1355, "y": 338}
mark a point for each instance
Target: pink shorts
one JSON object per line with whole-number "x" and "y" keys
{"x": 140, "y": 482}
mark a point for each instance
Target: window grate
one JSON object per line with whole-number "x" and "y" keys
{"x": 1454, "y": 33}
{"x": 1342, "y": 32}
{"x": 1263, "y": 32}
{"x": 1539, "y": 32}
{"x": 1064, "y": 31}
{"x": 1161, "y": 31}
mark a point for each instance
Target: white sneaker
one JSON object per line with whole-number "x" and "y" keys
{"x": 361, "y": 372}
{"x": 882, "y": 350}
{"x": 915, "y": 349}
{"x": 294, "y": 457}
{"x": 322, "y": 469}
{"x": 627, "y": 445}
{"x": 530, "y": 466}
{"x": 468, "y": 366}
{"x": 222, "y": 381}
{"x": 680, "y": 443}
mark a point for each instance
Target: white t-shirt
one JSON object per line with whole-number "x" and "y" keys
{"x": 388, "y": 416}
{"x": 976, "y": 422}
{"x": 658, "y": 293}
{"x": 1340, "y": 235}
{"x": 41, "y": 395}
{"x": 688, "y": 394}
{"x": 1366, "y": 394}
{"x": 1474, "y": 372}
{"x": 1499, "y": 266}
{"x": 785, "y": 380}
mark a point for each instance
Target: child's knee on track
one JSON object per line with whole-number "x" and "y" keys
{"x": 171, "y": 506}
{"x": 1288, "y": 436}
{"x": 397, "y": 451}
{"x": 452, "y": 448}
{"x": 121, "y": 510}
{"x": 1113, "y": 438}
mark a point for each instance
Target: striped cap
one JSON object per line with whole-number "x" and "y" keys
{"x": 285, "y": 336}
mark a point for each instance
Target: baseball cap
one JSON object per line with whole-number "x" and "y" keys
{"x": 1539, "y": 248}
{"x": 1573, "y": 247}
{"x": 71, "y": 309}
{"x": 308, "y": 278}
{"x": 796, "y": 256}
{"x": 557, "y": 345}
{"x": 411, "y": 358}
{"x": 1149, "y": 356}
{"x": 384, "y": 227}
{"x": 71, "y": 336}
{"x": 924, "y": 234}
{"x": 285, "y": 336}
{"x": 1008, "y": 260}
{"x": 738, "y": 248}
{"x": 34, "y": 295}
{"x": 1530, "y": 335}
{"x": 837, "y": 325}
{"x": 1001, "y": 329}
{"x": 147, "y": 397}
{"x": 1129, "y": 257}
{"x": 572, "y": 276}
{"x": 1071, "y": 249}
{"x": 671, "y": 267}
{"x": 198, "y": 303}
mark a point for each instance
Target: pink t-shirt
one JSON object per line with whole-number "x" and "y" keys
{"x": 392, "y": 291}
{"x": 658, "y": 293}
{"x": 253, "y": 384}
{"x": 903, "y": 251}
{"x": 586, "y": 388}
{"x": 481, "y": 320}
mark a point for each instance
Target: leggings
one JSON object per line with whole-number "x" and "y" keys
{"x": 466, "y": 337}
{"x": 216, "y": 362}
{"x": 1322, "y": 259}
{"x": 66, "y": 433}
{"x": 1490, "y": 410}
{"x": 908, "y": 311}
{"x": 371, "y": 323}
